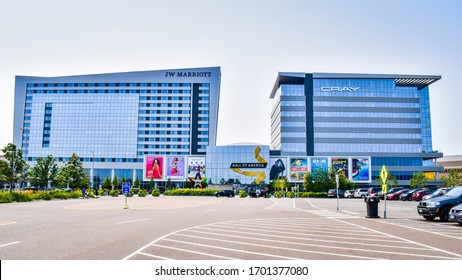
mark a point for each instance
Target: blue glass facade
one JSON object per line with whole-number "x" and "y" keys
{"x": 113, "y": 120}
{"x": 383, "y": 116}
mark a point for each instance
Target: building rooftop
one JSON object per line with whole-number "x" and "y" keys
{"x": 419, "y": 81}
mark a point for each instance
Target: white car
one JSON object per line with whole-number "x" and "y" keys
{"x": 361, "y": 193}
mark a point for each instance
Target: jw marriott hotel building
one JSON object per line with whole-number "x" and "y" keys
{"x": 111, "y": 121}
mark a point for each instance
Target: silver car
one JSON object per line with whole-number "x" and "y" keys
{"x": 361, "y": 192}
{"x": 455, "y": 214}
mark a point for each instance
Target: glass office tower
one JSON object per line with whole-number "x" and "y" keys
{"x": 113, "y": 120}
{"x": 386, "y": 117}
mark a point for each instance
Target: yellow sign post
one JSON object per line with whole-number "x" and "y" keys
{"x": 384, "y": 177}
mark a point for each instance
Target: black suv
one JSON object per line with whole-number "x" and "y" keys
{"x": 228, "y": 193}
{"x": 440, "y": 206}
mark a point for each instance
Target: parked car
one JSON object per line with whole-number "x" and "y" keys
{"x": 391, "y": 190}
{"x": 228, "y": 193}
{"x": 374, "y": 191}
{"x": 440, "y": 206}
{"x": 437, "y": 192}
{"x": 361, "y": 192}
{"x": 456, "y": 214}
{"x": 349, "y": 193}
{"x": 395, "y": 195}
{"x": 407, "y": 195}
{"x": 333, "y": 193}
{"x": 417, "y": 196}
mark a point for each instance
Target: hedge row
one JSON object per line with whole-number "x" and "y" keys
{"x": 201, "y": 192}
{"x": 24, "y": 196}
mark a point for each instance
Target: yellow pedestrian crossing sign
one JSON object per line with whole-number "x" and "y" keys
{"x": 384, "y": 176}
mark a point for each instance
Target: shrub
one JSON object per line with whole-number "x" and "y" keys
{"x": 312, "y": 194}
{"x": 200, "y": 192}
{"x": 114, "y": 193}
{"x": 102, "y": 192}
{"x": 242, "y": 194}
{"x": 43, "y": 195}
{"x": 277, "y": 194}
{"x": 142, "y": 193}
{"x": 23, "y": 196}
{"x": 6, "y": 197}
{"x": 135, "y": 190}
{"x": 155, "y": 192}
{"x": 290, "y": 194}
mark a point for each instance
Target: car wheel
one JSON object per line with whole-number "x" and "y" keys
{"x": 363, "y": 196}
{"x": 429, "y": 218}
{"x": 217, "y": 195}
{"x": 396, "y": 198}
{"x": 444, "y": 214}
{"x": 460, "y": 223}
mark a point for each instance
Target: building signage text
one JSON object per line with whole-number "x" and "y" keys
{"x": 328, "y": 88}
{"x": 188, "y": 74}
{"x": 249, "y": 165}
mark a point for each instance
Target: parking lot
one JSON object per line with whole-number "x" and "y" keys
{"x": 210, "y": 228}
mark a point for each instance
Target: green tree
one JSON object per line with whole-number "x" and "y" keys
{"x": 453, "y": 179}
{"x": 169, "y": 183}
{"x": 324, "y": 179}
{"x": 17, "y": 168}
{"x": 418, "y": 180}
{"x": 308, "y": 183}
{"x": 44, "y": 172}
{"x": 204, "y": 183}
{"x": 136, "y": 183}
{"x": 4, "y": 169}
{"x": 72, "y": 174}
{"x": 107, "y": 184}
{"x": 115, "y": 182}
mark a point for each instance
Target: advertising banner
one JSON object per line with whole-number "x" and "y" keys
{"x": 317, "y": 163}
{"x": 278, "y": 168}
{"x": 175, "y": 168}
{"x": 361, "y": 170}
{"x": 340, "y": 164}
{"x": 153, "y": 167}
{"x": 196, "y": 168}
{"x": 298, "y": 169}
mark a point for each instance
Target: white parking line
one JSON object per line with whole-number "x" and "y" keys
{"x": 189, "y": 251}
{"x": 423, "y": 230}
{"x": 154, "y": 256}
{"x": 5, "y": 223}
{"x": 210, "y": 210}
{"x": 132, "y": 221}
{"x": 265, "y": 246}
{"x": 407, "y": 240}
{"x": 274, "y": 204}
{"x": 8, "y": 244}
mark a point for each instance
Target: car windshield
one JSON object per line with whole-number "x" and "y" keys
{"x": 437, "y": 191}
{"x": 455, "y": 192}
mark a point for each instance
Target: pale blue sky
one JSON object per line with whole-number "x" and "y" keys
{"x": 250, "y": 40}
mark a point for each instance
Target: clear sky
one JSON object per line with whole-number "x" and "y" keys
{"x": 250, "y": 40}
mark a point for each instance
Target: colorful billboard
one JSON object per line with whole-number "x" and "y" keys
{"x": 317, "y": 163}
{"x": 175, "y": 168}
{"x": 340, "y": 164}
{"x": 298, "y": 168}
{"x": 278, "y": 168}
{"x": 361, "y": 169}
{"x": 153, "y": 167}
{"x": 196, "y": 168}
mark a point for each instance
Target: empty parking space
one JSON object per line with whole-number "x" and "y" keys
{"x": 314, "y": 237}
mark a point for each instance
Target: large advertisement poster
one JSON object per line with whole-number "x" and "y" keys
{"x": 317, "y": 163}
{"x": 278, "y": 168}
{"x": 196, "y": 168}
{"x": 153, "y": 167}
{"x": 175, "y": 168}
{"x": 298, "y": 169}
{"x": 360, "y": 169}
{"x": 340, "y": 164}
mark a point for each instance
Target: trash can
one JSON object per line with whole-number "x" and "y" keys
{"x": 372, "y": 205}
